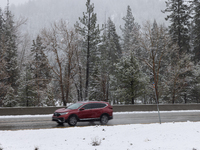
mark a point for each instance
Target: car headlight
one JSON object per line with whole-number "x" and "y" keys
{"x": 63, "y": 113}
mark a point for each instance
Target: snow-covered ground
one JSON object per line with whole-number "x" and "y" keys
{"x": 165, "y": 136}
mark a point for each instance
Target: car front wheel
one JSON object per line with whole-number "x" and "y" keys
{"x": 72, "y": 121}
{"x": 104, "y": 119}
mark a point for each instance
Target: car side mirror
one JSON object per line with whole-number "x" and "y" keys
{"x": 82, "y": 109}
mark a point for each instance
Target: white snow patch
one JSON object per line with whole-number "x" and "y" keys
{"x": 166, "y": 136}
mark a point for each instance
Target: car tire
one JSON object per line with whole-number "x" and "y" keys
{"x": 104, "y": 119}
{"x": 72, "y": 120}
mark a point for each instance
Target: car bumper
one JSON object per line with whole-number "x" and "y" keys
{"x": 60, "y": 120}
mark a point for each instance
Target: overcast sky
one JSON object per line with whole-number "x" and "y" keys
{"x": 3, "y": 3}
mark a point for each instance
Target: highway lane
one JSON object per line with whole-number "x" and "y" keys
{"x": 20, "y": 123}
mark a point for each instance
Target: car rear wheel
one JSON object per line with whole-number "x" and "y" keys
{"x": 72, "y": 121}
{"x": 104, "y": 119}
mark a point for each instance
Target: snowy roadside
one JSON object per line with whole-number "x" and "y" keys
{"x": 115, "y": 113}
{"x": 166, "y": 136}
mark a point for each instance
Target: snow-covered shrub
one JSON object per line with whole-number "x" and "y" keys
{"x": 96, "y": 141}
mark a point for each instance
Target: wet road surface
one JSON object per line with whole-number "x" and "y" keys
{"x": 21, "y": 123}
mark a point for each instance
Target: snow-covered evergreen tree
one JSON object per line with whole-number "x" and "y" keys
{"x": 10, "y": 99}
{"x": 90, "y": 32}
{"x": 39, "y": 63}
{"x": 27, "y": 92}
{"x": 40, "y": 68}
{"x": 196, "y": 31}
{"x": 11, "y": 49}
{"x": 3, "y": 73}
{"x": 177, "y": 81}
{"x": 49, "y": 96}
{"x": 129, "y": 33}
{"x": 110, "y": 49}
{"x": 195, "y": 88}
{"x": 131, "y": 82}
{"x": 8, "y": 54}
{"x": 179, "y": 19}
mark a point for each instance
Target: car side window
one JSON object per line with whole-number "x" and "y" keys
{"x": 94, "y": 106}
{"x": 87, "y": 106}
{"x": 98, "y": 105}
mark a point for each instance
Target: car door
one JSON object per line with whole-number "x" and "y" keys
{"x": 97, "y": 109}
{"x": 85, "y": 112}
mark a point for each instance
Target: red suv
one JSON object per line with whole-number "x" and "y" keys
{"x": 84, "y": 111}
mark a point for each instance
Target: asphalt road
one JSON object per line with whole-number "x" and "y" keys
{"x": 119, "y": 119}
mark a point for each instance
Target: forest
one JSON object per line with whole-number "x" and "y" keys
{"x": 145, "y": 63}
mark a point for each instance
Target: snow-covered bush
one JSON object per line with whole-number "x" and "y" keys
{"x": 96, "y": 141}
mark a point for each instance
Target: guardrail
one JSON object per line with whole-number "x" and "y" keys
{"x": 116, "y": 108}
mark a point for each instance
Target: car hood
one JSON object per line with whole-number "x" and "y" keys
{"x": 61, "y": 110}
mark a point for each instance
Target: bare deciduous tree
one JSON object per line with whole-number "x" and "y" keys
{"x": 168, "y": 67}
{"x": 62, "y": 45}
{"x": 157, "y": 45}
{"x": 69, "y": 45}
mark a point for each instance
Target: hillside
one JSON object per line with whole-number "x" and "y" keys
{"x": 41, "y": 13}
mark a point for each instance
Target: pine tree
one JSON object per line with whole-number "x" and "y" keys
{"x": 2, "y": 23}
{"x": 113, "y": 47}
{"x": 49, "y": 96}
{"x": 3, "y": 73}
{"x": 195, "y": 89}
{"x": 180, "y": 15}
{"x": 91, "y": 36}
{"x": 179, "y": 23}
{"x": 196, "y": 31}
{"x": 131, "y": 82}
{"x": 129, "y": 32}
{"x": 10, "y": 99}
{"x": 10, "y": 49}
{"x": 110, "y": 49}
{"x": 40, "y": 68}
{"x": 8, "y": 54}
{"x": 27, "y": 92}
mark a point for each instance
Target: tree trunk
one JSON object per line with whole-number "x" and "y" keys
{"x": 173, "y": 97}
{"x": 62, "y": 93}
{"x": 88, "y": 60}
{"x": 68, "y": 79}
{"x": 185, "y": 98}
{"x": 87, "y": 76}
{"x": 81, "y": 89}
{"x": 133, "y": 102}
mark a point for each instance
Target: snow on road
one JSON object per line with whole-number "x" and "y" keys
{"x": 166, "y": 136}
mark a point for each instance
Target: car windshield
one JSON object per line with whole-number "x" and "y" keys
{"x": 74, "y": 106}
